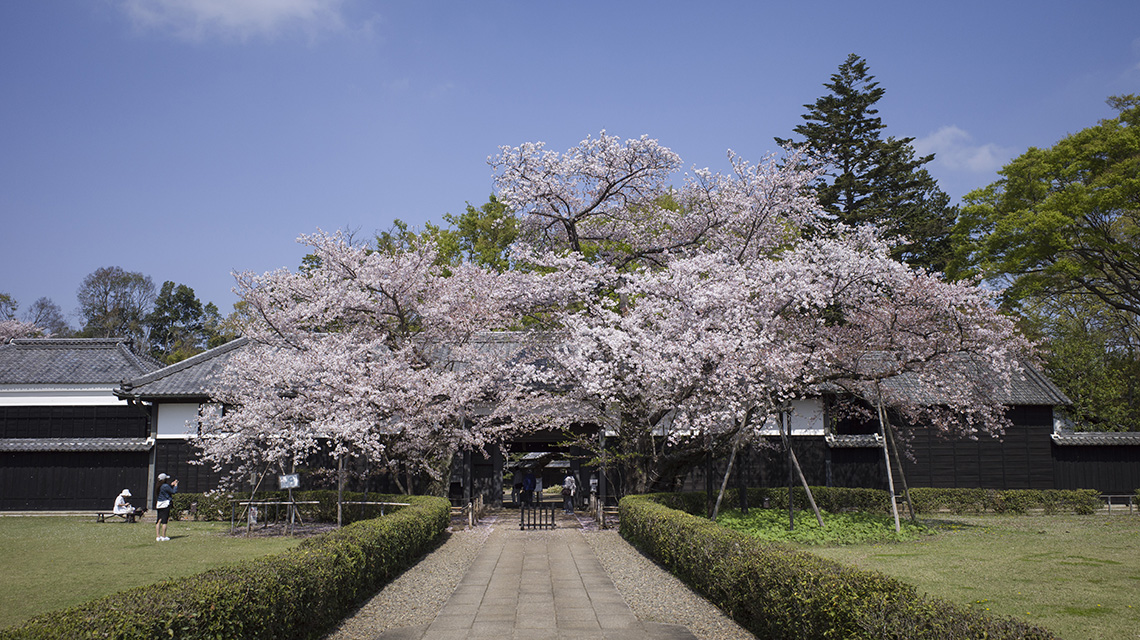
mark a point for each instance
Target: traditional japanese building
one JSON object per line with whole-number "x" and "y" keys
{"x": 66, "y": 441}
{"x": 173, "y": 398}
{"x": 81, "y": 419}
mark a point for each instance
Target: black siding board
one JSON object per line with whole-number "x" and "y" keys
{"x": 1108, "y": 469}
{"x": 99, "y": 421}
{"x": 177, "y": 458}
{"x": 52, "y": 481}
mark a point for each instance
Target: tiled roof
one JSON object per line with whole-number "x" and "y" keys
{"x": 1097, "y": 438}
{"x": 75, "y": 444}
{"x": 71, "y": 361}
{"x": 1031, "y": 387}
{"x": 194, "y": 377}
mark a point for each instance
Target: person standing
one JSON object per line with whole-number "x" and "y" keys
{"x": 569, "y": 491}
{"x": 162, "y": 506}
{"x": 528, "y": 488}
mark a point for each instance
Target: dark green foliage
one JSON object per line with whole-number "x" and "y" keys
{"x": 1079, "y": 501}
{"x": 1092, "y": 351}
{"x": 870, "y": 179}
{"x": 1059, "y": 234}
{"x": 925, "y": 499}
{"x": 776, "y": 591}
{"x": 181, "y": 326}
{"x": 301, "y": 593}
{"x": 485, "y": 234}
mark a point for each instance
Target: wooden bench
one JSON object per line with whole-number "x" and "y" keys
{"x": 101, "y": 516}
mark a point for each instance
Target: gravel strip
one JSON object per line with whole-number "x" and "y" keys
{"x": 655, "y": 595}
{"x": 416, "y": 596}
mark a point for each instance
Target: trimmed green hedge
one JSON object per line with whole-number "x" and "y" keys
{"x": 215, "y": 505}
{"x": 776, "y": 591}
{"x": 1079, "y": 501}
{"x": 926, "y": 500}
{"x": 301, "y": 593}
{"x": 833, "y": 499}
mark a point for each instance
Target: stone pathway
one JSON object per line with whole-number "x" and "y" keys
{"x": 537, "y": 585}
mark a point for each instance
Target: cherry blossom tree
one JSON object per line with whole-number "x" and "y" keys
{"x": 676, "y": 351}
{"x": 375, "y": 354}
{"x": 681, "y": 319}
{"x": 935, "y": 353}
{"x": 14, "y": 329}
{"x": 610, "y": 200}
{"x": 720, "y": 313}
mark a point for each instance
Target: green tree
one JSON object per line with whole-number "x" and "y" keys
{"x": 176, "y": 324}
{"x": 217, "y": 330}
{"x": 485, "y": 234}
{"x": 481, "y": 235}
{"x": 1060, "y": 232}
{"x": 1064, "y": 219}
{"x": 8, "y": 307}
{"x": 114, "y": 303}
{"x": 1093, "y": 352}
{"x": 869, "y": 179}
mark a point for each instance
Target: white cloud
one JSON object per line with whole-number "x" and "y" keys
{"x": 198, "y": 19}
{"x": 955, "y": 150}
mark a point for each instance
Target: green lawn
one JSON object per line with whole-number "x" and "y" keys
{"x": 1076, "y": 575}
{"x": 48, "y": 563}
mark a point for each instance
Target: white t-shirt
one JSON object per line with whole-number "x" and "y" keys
{"x": 121, "y": 505}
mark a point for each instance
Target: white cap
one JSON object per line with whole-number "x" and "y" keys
{"x": 126, "y": 493}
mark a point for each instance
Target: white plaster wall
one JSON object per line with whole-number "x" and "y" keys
{"x": 172, "y": 417}
{"x": 806, "y": 419}
{"x": 58, "y": 395}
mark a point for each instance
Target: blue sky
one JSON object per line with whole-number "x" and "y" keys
{"x": 187, "y": 139}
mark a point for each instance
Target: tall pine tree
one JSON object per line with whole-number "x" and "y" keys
{"x": 869, "y": 179}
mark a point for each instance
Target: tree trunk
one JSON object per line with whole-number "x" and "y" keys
{"x": 791, "y": 482}
{"x": 339, "y": 489}
{"x": 724, "y": 482}
{"x": 803, "y": 480}
{"x": 902, "y": 474}
{"x": 887, "y": 459}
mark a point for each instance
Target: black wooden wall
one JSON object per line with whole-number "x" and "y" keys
{"x": 1108, "y": 469}
{"x": 71, "y": 480}
{"x": 1021, "y": 459}
{"x": 1025, "y": 457}
{"x": 173, "y": 457}
{"x": 64, "y": 481}
{"x": 110, "y": 421}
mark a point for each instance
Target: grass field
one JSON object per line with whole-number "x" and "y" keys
{"x": 1078, "y": 576}
{"x": 48, "y": 563}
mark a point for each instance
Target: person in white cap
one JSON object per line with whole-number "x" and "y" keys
{"x": 162, "y": 506}
{"x": 124, "y": 508}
